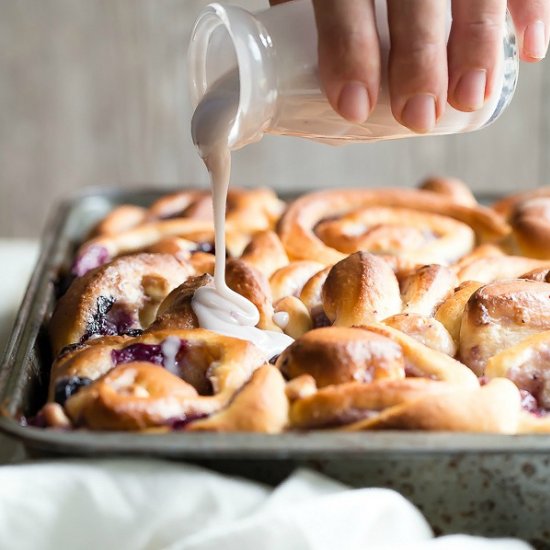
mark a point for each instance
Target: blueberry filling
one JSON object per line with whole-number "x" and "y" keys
{"x": 319, "y": 318}
{"x": 92, "y": 257}
{"x": 151, "y": 353}
{"x": 108, "y": 321}
{"x": 37, "y": 421}
{"x": 181, "y": 422}
{"x": 66, "y": 387}
{"x": 148, "y": 353}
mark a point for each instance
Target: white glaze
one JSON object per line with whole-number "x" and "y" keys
{"x": 220, "y": 309}
{"x": 281, "y": 319}
{"x": 170, "y": 347}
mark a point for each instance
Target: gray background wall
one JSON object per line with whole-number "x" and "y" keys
{"x": 95, "y": 92}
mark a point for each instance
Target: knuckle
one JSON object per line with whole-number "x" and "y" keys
{"x": 422, "y": 53}
{"x": 351, "y": 53}
{"x": 483, "y": 30}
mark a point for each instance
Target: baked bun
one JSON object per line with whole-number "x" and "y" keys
{"x": 117, "y": 298}
{"x": 529, "y": 216}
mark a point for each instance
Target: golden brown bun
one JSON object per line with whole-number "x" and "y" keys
{"x": 527, "y": 365}
{"x": 360, "y": 289}
{"x": 253, "y": 285}
{"x": 154, "y": 379}
{"x": 260, "y": 406}
{"x": 452, "y": 188}
{"x": 426, "y": 288}
{"x": 529, "y": 215}
{"x": 175, "y": 311}
{"x": 337, "y": 355}
{"x": 426, "y": 330}
{"x": 290, "y": 279}
{"x": 297, "y": 227}
{"x": 450, "y": 312}
{"x": 493, "y": 408}
{"x": 500, "y": 315}
{"x": 115, "y": 298}
{"x": 265, "y": 252}
{"x": 344, "y": 396}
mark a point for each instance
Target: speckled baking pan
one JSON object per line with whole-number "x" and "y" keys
{"x": 489, "y": 484}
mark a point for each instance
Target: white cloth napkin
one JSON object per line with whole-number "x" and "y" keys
{"x": 152, "y": 504}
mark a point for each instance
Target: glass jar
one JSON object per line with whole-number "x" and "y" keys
{"x": 269, "y": 60}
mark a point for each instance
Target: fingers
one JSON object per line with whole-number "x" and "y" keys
{"x": 418, "y": 62}
{"x": 532, "y": 22}
{"x": 475, "y": 44}
{"x": 349, "y": 56}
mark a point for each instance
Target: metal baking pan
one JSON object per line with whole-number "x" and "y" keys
{"x": 493, "y": 485}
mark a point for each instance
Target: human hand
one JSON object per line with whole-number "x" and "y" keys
{"x": 425, "y": 72}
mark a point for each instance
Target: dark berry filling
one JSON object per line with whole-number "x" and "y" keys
{"x": 66, "y": 387}
{"x": 181, "y": 422}
{"x": 149, "y": 353}
{"x": 109, "y": 320}
{"x": 319, "y": 318}
{"x": 92, "y": 257}
{"x": 38, "y": 421}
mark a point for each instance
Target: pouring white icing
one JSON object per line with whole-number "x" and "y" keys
{"x": 220, "y": 309}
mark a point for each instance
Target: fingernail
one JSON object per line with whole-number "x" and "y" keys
{"x": 353, "y": 103}
{"x": 419, "y": 113}
{"x": 534, "y": 40}
{"x": 470, "y": 90}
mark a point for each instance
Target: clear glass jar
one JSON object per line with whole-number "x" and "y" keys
{"x": 270, "y": 60}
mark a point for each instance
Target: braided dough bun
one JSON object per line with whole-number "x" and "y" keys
{"x": 176, "y": 311}
{"x": 363, "y": 289}
{"x": 426, "y": 330}
{"x": 494, "y": 268}
{"x": 335, "y": 355}
{"x": 529, "y": 215}
{"x": 500, "y": 315}
{"x": 260, "y": 406}
{"x": 432, "y": 227}
{"x": 527, "y": 364}
{"x": 493, "y": 408}
{"x": 348, "y": 394}
{"x": 115, "y": 298}
{"x": 203, "y": 368}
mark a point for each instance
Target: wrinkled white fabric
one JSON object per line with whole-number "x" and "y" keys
{"x": 157, "y": 505}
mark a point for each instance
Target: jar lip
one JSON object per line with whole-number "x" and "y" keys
{"x": 254, "y": 63}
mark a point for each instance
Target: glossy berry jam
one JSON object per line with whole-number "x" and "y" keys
{"x": 66, "y": 387}
{"x": 110, "y": 321}
{"x": 319, "y": 318}
{"x": 180, "y": 423}
{"x": 151, "y": 353}
{"x": 148, "y": 353}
